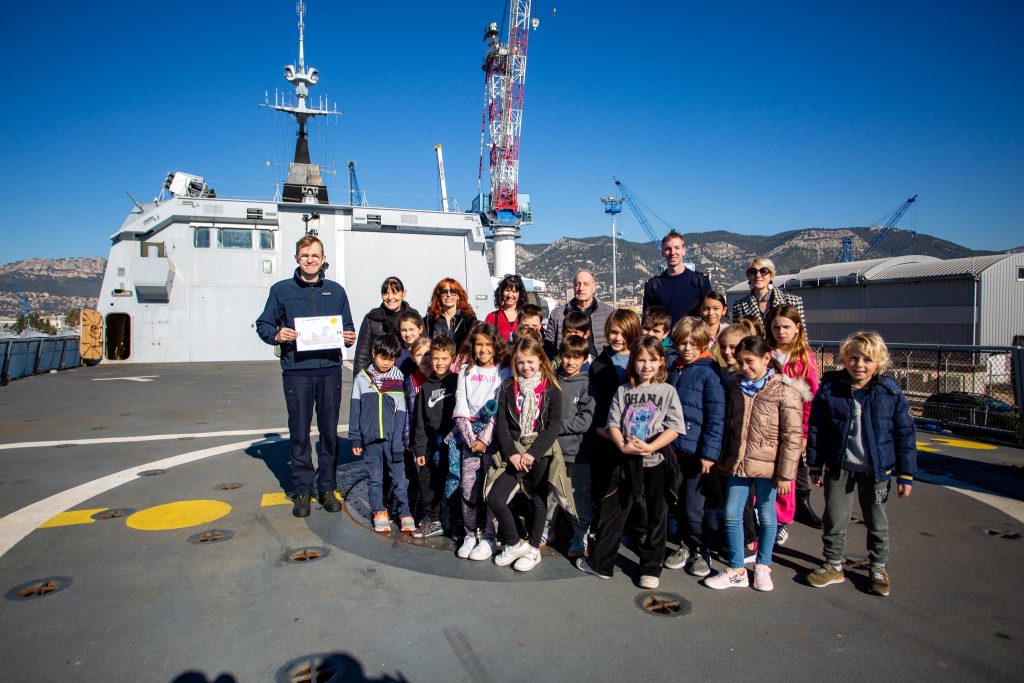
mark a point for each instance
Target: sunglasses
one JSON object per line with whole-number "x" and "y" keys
{"x": 751, "y": 272}
{"x": 444, "y": 292}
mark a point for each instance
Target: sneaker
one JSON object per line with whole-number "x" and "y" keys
{"x": 826, "y": 575}
{"x": 300, "y": 506}
{"x": 577, "y": 549}
{"x": 677, "y": 559}
{"x": 484, "y": 550}
{"x": 763, "y": 578}
{"x": 782, "y": 535}
{"x": 381, "y": 522}
{"x": 879, "y": 580}
{"x": 528, "y": 561}
{"x": 329, "y": 501}
{"x": 648, "y": 582}
{"x": 511, "y": 553}
{"x": 727, "y": 579}
{"x": 428, "y": 529}
{"x": 751, "y": 555}
{"x": 585, "y": 567}
{"x": 700, "y": 565}
{"x": 468, "y": 545}
{"x": 408, "y": 525}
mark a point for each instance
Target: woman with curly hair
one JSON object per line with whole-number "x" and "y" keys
{"x": 449, "y": 312}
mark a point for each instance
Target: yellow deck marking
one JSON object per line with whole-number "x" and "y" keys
{"x": 927, "y": 447}
{"x": 178, "y": 515}
{"x": 962, "y": 443}
{"x": 279, "y": 498}
{"x": 71, "y": 517}
{"x": 274, "y": 499}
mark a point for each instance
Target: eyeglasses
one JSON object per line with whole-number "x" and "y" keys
{"x": 751, "y": 272}
{"x": 309, "y": 257}
{"x": 447, "y": 292}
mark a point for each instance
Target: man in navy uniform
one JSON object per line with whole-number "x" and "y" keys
{"x": 312, "y": 379}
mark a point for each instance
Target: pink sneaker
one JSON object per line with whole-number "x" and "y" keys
{"x": 763, "y": 578}
{"x": 728, "y": 579}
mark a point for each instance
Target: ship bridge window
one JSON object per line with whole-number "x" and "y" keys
{"x": 201, "y": 238}
{"x": 266, "y": 239}
{"x": 234, "y": 238}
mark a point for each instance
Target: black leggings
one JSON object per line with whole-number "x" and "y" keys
{"x": 502, "y": 492}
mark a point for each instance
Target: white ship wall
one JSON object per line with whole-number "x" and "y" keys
{"x": 215, "y": 294}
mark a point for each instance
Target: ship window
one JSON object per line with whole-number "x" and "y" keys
{"x": 234, "y": 238}
{"x": 266, "y": 239}
{"x": 201, "y": 238}
{"x": 1020, "y": 274}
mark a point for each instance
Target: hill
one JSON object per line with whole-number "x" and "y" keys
{"x": 722, "y": 254}
{"x": 54, "y": 286}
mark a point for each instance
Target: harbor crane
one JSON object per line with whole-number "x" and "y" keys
{"x": 355, "y": 195}
{"x": 634, "y": 206}
{"x": 886, "y": 224}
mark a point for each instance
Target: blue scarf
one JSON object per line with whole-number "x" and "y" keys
{"x": 478, "y": 425}
{"x": 752, "y": 386}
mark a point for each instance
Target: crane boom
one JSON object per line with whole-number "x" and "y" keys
{"x": 634, "y": 206}
{"x": 355, "y": 195}
{"x": 886, "y": 224}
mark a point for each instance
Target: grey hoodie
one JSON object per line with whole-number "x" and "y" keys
{"x": 577, "y": 413}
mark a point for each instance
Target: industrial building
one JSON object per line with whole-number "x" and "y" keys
{"x": 912, "y": 299}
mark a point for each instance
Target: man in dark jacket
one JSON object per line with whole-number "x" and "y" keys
{"x": 312, "y": 379}
{"x": 677, "y": 289}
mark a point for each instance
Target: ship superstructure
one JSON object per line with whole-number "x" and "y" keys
{"x": 189, "y": 273}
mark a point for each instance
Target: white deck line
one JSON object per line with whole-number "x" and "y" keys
{"x": 20, "y": 523}
{"x": 147, "y": 437}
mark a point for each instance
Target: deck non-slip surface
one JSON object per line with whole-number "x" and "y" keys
{"x": 140, "y": 602}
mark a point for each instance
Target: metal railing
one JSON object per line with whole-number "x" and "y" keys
{"x": 979, "y": 387}
{"x": 22, "y": 357}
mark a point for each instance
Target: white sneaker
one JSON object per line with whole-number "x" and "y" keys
{"x": 727, "y": 579}
{"x": 528, "y": 561}
{"x": 511, "y": 553}
{"x": 484, "y": 550}
{"x": 467, "y": 547}
{"x": 649, "y": 582}
{"x": 763, "y": 578}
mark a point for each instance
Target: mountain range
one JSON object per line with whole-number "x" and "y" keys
{"x": 55, "y": 286}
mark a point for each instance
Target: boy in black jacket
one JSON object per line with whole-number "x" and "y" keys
{"x": 860, "y": 434}
{"x": 434, "y": 407}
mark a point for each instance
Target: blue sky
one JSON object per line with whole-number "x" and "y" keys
{"x": 746, "y": 116}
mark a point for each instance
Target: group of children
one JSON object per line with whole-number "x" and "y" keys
{"x": 700, "y": 422}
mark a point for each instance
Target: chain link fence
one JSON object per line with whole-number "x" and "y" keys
{"x": 981, "y": 387}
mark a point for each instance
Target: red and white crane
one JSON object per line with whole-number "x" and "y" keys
{"x": 505, "y": 85}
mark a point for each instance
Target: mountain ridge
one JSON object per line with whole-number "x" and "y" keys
{"x": 54, "y": 286}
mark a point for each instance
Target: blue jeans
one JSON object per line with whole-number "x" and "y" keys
{"x": 376, "y": 456}
{"x": 736, "y": 491}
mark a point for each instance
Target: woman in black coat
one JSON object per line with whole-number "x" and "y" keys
{"x": 380, "y": 321}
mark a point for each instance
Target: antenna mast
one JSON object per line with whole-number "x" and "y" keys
{"x": 304, "y": 183}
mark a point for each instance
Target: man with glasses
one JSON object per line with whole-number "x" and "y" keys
{"x": 763, "y": 295}
{"x": 312, "y": 379}
{"x": 677, "y": 289}
{"x": 584, "y": 286}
